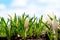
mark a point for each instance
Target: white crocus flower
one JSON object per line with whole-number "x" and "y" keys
{"x": 26, "y": 24}
{"x": 55, "y": 28}
{"x": 54, "y": 24}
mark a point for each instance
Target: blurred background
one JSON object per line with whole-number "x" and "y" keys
{"x": 31, "y": 7}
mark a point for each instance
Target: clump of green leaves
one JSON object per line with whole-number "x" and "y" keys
{"x": 15, "y": 26}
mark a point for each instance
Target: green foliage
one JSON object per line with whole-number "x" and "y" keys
{"x": 15, "y": 26}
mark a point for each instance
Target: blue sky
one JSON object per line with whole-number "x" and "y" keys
{"x": 31, "y": 7}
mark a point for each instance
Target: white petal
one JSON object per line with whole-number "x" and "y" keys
{"x": 26, "y": 24}
{"x": 55, "y": 24}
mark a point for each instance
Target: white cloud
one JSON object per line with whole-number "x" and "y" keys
{"x": 3, "y": 11}
{"x": 47, "y": 0}
{"x": 31, "y": 9}
{"x": 38, "y": 11}
{"x": 53, "y": 0}
{"x": 17, "y": 11}
{"x": 2, "y": 6}
{"x": 17, "y": 3}
{"x": 34, "y": 9}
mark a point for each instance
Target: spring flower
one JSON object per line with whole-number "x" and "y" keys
{"x": 18, "y": 35}
{"x": 55, "y": 28}
{"x": 26, "y": 24}
{"x": 55, "y": 25}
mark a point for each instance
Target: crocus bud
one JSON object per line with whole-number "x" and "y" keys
{"x": 55, "y": 25}
{"x": 26, "y": 24}
{"x": 55, "y": 28}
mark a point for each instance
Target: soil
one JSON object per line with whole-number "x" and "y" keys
{"x": 42, "y": 37}
{"x": 3, "y": 38}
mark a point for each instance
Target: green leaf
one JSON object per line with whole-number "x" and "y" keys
{"x": 50, "y": 17}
